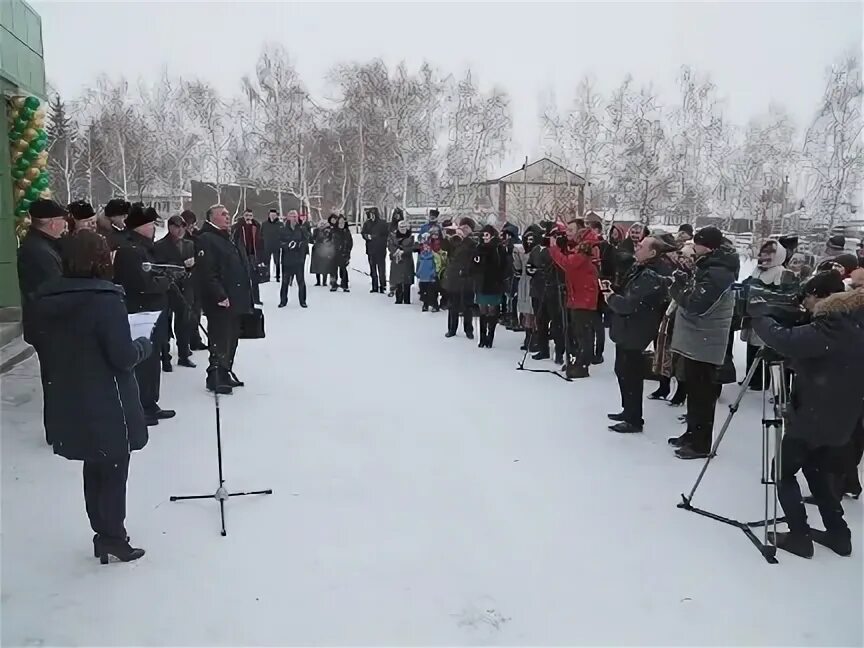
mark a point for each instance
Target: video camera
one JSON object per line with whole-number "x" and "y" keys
{"x": 755, "y": 301}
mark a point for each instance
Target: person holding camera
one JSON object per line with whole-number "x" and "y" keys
{"x": 92, "y": 410}
{"x": 145, "y": 292}
{"x": 575, "y": 252}
{"x": 700, "y": 335}
{"x": 176, "y": 249}
{"x": 400, "y": 246}
{"x": 375, "y": 233}
{"x": 343, "y": 243}
{"x": 491, "y": 266}
{"x": 224, "y": 283}
{"x": 460, "y": 246}
{"x": 826, "y": 404}
{"x": 294, "y": 242}
{"x": 637, "y": 308}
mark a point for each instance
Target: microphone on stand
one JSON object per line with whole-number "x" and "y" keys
{"x": 161, "y": 267}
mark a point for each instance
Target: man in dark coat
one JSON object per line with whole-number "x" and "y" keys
{"x": 247, "y": 236}
{"x": 375, "y": 232}
{"x": 222, "y": 278}
{"x": 195, "y": 341}
{"x": 145, "y": 292}
{"x": 271, "y": 230}
{"x": 92, "y": 411}
{"x": 343, "y": 243}
{"x": 39, "y": 254}
{"x": 115, "y": 232}
{"x": 636, "y": 311}
{"x": 606, "y": 275}
{"x": 547, "y": 298}
{"x": 294, "y": 241}
{"x": 826, "y": 404}
{"x": 177, "y": 250}
{"x": 461, "y": 246}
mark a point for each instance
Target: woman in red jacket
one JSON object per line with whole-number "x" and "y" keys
{"x": 577, "y": 255}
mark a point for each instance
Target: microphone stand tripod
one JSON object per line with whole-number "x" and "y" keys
{"x": 222, "y": 494}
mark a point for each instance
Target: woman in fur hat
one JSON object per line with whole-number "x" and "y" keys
{"x": 400, "y": 245}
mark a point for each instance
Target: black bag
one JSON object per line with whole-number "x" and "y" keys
{"x": 263, "y": 273}
{"x": 252, "y": 325}
{"x": 648, "y": 363}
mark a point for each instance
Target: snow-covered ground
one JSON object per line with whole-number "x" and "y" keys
{"x": 426, "y": 492}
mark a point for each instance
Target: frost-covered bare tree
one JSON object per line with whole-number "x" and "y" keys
{"x": 479, "y": 131}
{"x": 210, "y": 115}
{"x": 65, "y": 152}
{"x": 833, "y": 152}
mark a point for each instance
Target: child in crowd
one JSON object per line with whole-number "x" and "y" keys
{"x": 427, "y": 275}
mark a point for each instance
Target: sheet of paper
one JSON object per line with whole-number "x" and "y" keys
{"x": 141, "y": 324}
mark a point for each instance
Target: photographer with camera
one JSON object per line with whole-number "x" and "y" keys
{"x": 547, "y": 284}
{"x": 636, "y": 311}
{"x": 176, "y": 249}
{"x": 826, "y": 404}
{"x": 700, "y": 335}
{"x": 575, "y": 252}
{"x": 145, "y": 292}
{"x": 460, "y": 245}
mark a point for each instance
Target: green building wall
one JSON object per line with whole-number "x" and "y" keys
{"x": 22, "y": 72}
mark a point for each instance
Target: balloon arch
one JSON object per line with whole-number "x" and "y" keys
{"x": 28, "y": 141}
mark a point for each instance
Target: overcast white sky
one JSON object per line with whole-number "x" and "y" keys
{"x": 756, "y": 52}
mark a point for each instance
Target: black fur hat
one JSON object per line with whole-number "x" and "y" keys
{"x": 44, "y": 209}
{"x": 117, "y": 207}
{"x": 824, "y": 283}
{"x": 140, "y": 215}
{"x": 81, "y": 210}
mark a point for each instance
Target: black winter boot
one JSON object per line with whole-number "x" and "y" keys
{"x": 838, "y": 542}
{"x": 679, "y": 441}
{"x": 491, "y": 324}
{"x": 799, "y": 544}
{"x": 559, "y": 357}
{"x": 216, "y": 382}
{"x": 542, "y": 353}
{"x": 119, "y": 549}
{"x": 483, "y": 332}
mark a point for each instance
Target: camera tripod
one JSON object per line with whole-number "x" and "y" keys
{"x": 773, "y": 427}
{"x": 221, "y": 495}
{"x": 565, "y": 333}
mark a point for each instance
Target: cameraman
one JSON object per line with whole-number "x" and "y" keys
{"x": 826, "y": 403}
{"x": 461, "y": 246}
{"x": 706, "y": 304}
{"x": 546, "y": 299}
{"x": 145, "y": 292}
{"x": 636, "y": 311}
{"x": 175, "y": 249}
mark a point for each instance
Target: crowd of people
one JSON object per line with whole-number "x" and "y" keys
{"x": 562, "y": 285}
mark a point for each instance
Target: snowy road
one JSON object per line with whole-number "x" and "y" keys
{"x": 425, "y": 493}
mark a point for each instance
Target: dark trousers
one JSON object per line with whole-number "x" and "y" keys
{"x": 105, "y": 496}
{"x": 195, "y": 325}
{"x": 340, "y": 277}
{"x": 276, "y": 257}
{"x": 550, "y": 321}
{"x": 179, "y": 320}
{"x": 290, "y": 272}
{"x": 223, "y": 329}
{"x": 428, "y": 291}
{"x": 817, "y": 465}
{"x": 630, "y": 371}
{"x": 599, "y": 331}
{"x": 702, "y": 394}
{"x": 460, "y": 303}
{"x": 378, "y": 270}
{"x": 148, "y": 372}
{"x": 580, "y": 336}
{"x": 403, "y": 293}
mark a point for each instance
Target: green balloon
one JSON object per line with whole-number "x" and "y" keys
{"x": 36, "y": 146}
{"x": 30, "y": 154}
{"x": 41, "y": 134}
{"x": 32, "y": 103}
{"x": 26, "y": 113}
{"x": 41, "y": 183}
{"x": 23, "y": 163}
{"x": 25, "y": 204}
{"x": 21, "y": 124}
{"x": 17, "y": 173}
{"x": 32, "y": 194}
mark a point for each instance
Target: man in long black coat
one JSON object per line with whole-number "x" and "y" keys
{"x": 116, "y": 211}
{"x": 826, "y": 404}
{"x": 636, "y": 311}
{"x": 145, "y": 292}
{"x": 294, "y": 243}
{"x": 461, "y": 247}
{"x": 222, "y": 278}
{"x": 39, "y": 255}
{"x": 375, "y": 233}
{"x": 177, "y": 250}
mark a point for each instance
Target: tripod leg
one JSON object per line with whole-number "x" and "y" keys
{"x": 222, "y": 515}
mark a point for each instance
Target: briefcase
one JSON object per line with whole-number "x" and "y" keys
{"x": 263, "y": 274}
{"x": 252, "y": 325}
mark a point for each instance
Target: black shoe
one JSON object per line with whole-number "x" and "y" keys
{"x": 659, "y": 394}
{"x": 598, "y": 359}
{"x": 469, "y": 335}
{"x": 216, "y": 382}
{"x": 164, "y": 414}
{"x": 259, "y": 303}
{"x": 799, "y": 544}
{"x": 303, "y": 305}
{"x": 374, "y": 290}
{"x": 151, "y": 420}
{"x": 839, "y": 543}
{"x": 559, "y": 358}
{"x": 333, "y": 289}
{"x": 574, "y": 371}
{"x": 97, "y": 544}
{"x": 233, "y": 380}
{"x": 542, "y": 354}
{"x": 435, "y": 309}
{"x": 689, "y": 452}
{"x": 625, "y": 428}
{"x": 616, "y": 417}
{"x": 166, "y": 366}
{"x": 383, "y": 290}
{"x": 680, "y": 441}
{"x": 449, "y": 334}
{"x": 425, "y": 308}
{"x": 346, "y": 290}
{"x": 121, "y": 550}
{"x": 186, "y": 362}
{"x": 282, "y": 304}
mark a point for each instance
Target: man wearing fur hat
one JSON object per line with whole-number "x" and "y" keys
{"x": 145, "y": 292}
{"x": 375, "y": 232}
{"x": 83, "y": 216}
{"x": 460, "y": 246}
{"x": 114, "y": 231}
{"x": 827, "y": 401}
